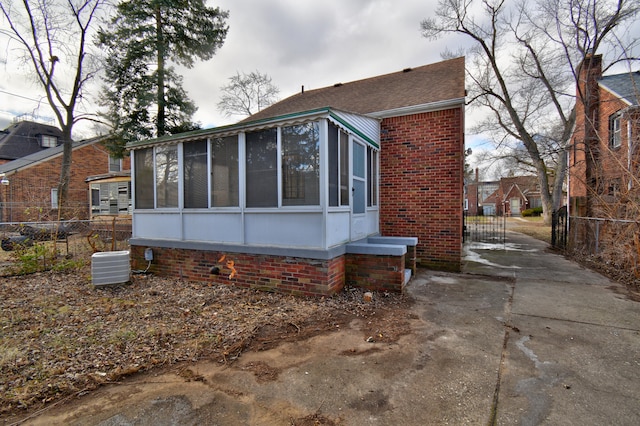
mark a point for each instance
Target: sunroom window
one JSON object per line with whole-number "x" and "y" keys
{"x": 224, "y": 172}
{"x": 338, "y": 167}
{"x": 195, "y": 175}
{"x": 301, "y": 165}
{"x": 143, "y": 161}
{"x": 167, "y": 176}
{"x": 372, "y": 177}
{"x": 262, "y": 168}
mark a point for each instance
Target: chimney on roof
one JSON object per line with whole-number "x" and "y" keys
{"x": 302, "y": 90}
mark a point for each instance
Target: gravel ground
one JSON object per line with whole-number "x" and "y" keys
{"x": 61, "y": 336}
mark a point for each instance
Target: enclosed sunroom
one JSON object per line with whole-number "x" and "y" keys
{"x": 286, "y": 204}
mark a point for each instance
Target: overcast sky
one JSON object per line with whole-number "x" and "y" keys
{"x": 295, "y": 42}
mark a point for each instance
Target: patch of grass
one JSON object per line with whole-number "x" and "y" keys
{"x": 532, "y": 226}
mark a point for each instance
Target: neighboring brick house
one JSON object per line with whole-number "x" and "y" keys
{"x": 604, "y": 157}
{"x": 31, "y": 191}
{"x": 349, "y": 184}
{"x": 509, "y": 196}
{"x": 27, "y": 137}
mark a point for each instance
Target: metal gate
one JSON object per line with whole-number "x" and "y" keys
{"x": 486, "y": 229}
{"x": 559, "y": 228}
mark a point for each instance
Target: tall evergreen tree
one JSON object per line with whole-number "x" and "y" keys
{"x": 143, "y": 93}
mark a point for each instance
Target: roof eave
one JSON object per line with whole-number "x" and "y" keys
{"x": 248, "y": 126}
{"x": 617, "y": 95}
{"x": 417, "y": 109}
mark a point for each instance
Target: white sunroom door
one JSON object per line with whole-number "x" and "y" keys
{"x": 359, "y": 192}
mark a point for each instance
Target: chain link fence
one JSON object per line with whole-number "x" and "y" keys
{"x": 37, "y": 246}
{"x": 613, "y": 242}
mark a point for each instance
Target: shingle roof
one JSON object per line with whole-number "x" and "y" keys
{"x": 43, "y": 155}
{"x": 23, "y": 138}
{"x": 428, "y": 84}
{"x": 626, "y": 86}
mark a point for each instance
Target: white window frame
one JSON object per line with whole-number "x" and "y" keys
{"x": 48, "y": 141}
{"x": 54, "y": 198}
{"x": 615, "y": 130}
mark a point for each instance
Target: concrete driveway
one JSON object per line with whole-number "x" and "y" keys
{"x": 523, "y": 336}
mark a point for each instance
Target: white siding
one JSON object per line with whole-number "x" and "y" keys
{"x": 337, "y": 228}
{"x": 164, "y": 226}
{"x": 370, "y": 127}
{"x": 213, "y": 227}
{"x": 284, "y": 229}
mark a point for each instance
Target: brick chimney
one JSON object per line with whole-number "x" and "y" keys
{"x": 584, "y": 151}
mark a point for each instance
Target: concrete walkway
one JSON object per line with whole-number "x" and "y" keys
{"x": 571, "y": 352}
{"x": 523, "y": 336}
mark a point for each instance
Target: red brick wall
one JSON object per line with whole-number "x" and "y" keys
{"x": 594, "y": 166}
{"x": 28, "y": 196}
{"x": 378, "y": 273}
{"x": 304, "y": 277}
{"x": 421, "y": 184}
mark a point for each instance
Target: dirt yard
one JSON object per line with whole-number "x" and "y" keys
{"x": 61, "y": 337}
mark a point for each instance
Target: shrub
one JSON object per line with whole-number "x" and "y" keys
{"x": 537, "y": 211}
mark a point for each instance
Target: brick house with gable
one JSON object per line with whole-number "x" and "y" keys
{"x": 604, "y": 157}
{"x": 30, "y": 193}
{"x": 356, "y": 183}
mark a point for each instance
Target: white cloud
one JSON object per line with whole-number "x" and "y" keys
{"x": 310, "y": 43}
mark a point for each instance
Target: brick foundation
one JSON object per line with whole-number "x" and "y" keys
{"x": 290, "y": 275}
{"x": 378, "y": 273}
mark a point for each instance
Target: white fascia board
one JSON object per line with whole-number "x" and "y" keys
{"x": 417, "y": 109}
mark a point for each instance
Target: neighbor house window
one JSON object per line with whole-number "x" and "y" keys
{"x": 372, "y": 177}
{"x": 195, "y": 175}
{"x": 54, "y": 198}
{"x": 143, "y": 162}
{"x": 166, "y": 176}
{"x": 115, "y": 164}
{"x": 224, "y": 172}
{"x": 338, "y": 167}
{"x": 615, "y": 130}
{"x": 48, "y": 141}
{"x": 110, "y": 198}
{"x": 301, "y": 165}
{"x": 262, "y": 168}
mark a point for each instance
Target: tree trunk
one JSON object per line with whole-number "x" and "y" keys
{"x": 160, "y": 127}
{"x": 65, "y": 170}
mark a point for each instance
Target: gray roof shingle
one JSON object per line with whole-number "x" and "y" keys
{"x": 626, "y": 86}
{"x": 23, "y": 138}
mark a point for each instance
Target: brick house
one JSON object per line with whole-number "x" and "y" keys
{"x": 30, "y": 193}
{"x": 514, "y": 195}
{"x": 356, "y": 183}
{"x": 604, "y": 157}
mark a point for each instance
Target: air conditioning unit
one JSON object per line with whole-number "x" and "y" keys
{"x": 110, "y": 267}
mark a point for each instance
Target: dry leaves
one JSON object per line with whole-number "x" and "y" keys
{"x": 61, "y": 336}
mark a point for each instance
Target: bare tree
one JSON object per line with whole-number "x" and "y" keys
{"x": 53, "y": 39}
{"x": 524, "y": 69}
{"x": 247, "y": 94}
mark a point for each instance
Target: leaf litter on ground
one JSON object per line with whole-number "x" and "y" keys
{"x": 60, "y": 336}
